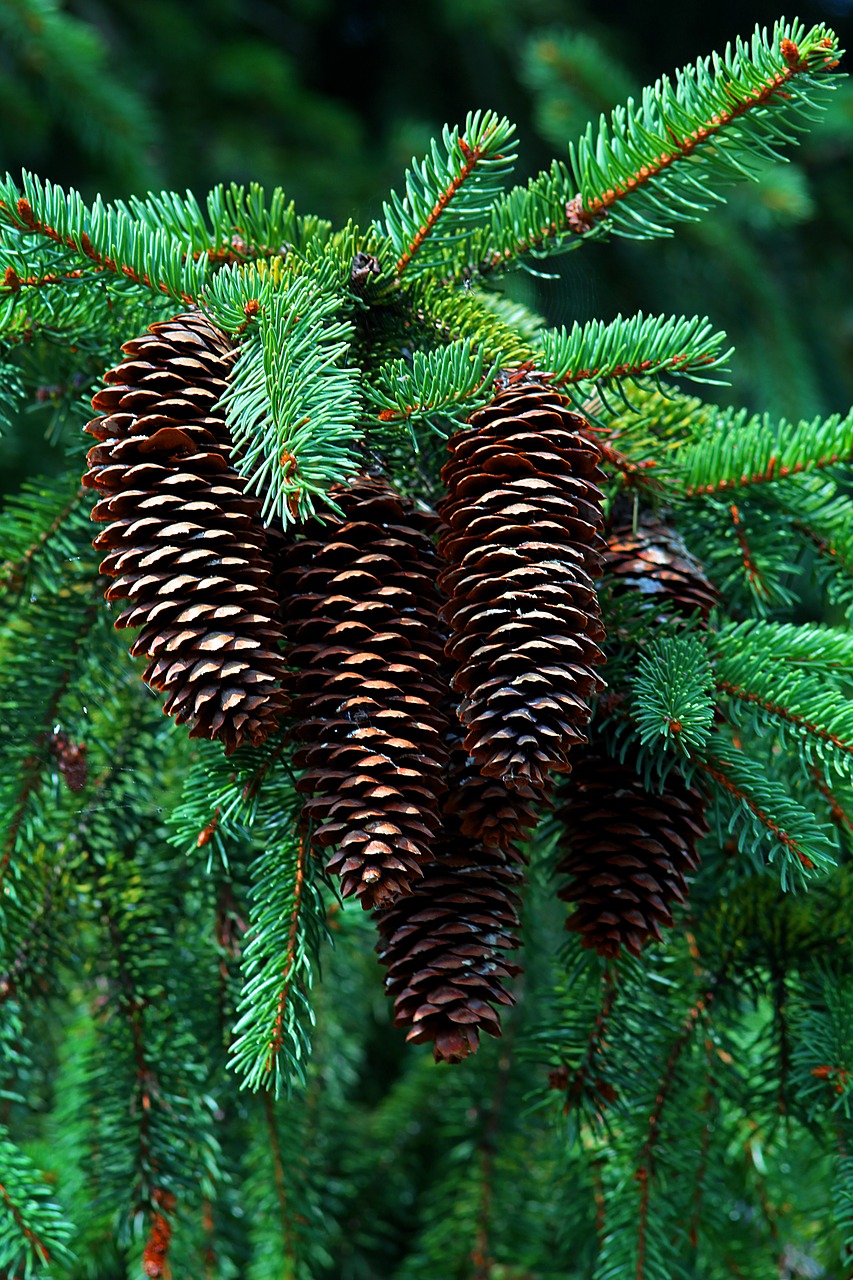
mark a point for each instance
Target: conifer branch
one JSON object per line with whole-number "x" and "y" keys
{"x": 285, "y": 1213}
{"x": 750, "y": 568}
{"x": 769, "y": 816}
{"x": 293, "y": 406}
{"x": 784, "y": 713}
{"x": 34, "y": 762}
{"x": 837, "y": 812}
{"x": 583, "y": 1081}
{"x": 807, "y": 704}
{"x": 663, "y": 160}
{"x": 105, "y": 235}
{"x": 36, "y": 522}
{"x": 12, "y": 282}
{"x": 33, "y": 1232}
{"x": 442, "y": 387}
{"x": 646, "y": 1164}
{"x": 447, "y": 193}
{"x": 455, "y": 314}
{"x": 671, "y": 697}
{"x": 814, "y": 647}
{"x": 155, "y": 1256}
{"x": 629, "y": 349}
{"x": 741, "y": 451}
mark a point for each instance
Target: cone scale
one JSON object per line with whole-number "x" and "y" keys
{"x": 627, "y": 852}
{"x": 653, "y": 561}
{"x": 184, "y": 541}
{"x": 444, "y": 945}
{"x": 522, "y": 544}
{"x": 361, "y": 614}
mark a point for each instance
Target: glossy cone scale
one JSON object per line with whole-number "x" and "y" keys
{"x": 444, "y": 944}
{"x": 184, "y": 542}
{"x": 628, "y": 851}
{"x": 361, "y": 615}
{"x": 523, "y": 544}
{"x": 653, "y": 561}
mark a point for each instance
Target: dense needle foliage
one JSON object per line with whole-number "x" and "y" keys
{"x": 556, "y": 631}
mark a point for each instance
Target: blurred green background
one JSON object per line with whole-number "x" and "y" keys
{"x": 331, "y": 98}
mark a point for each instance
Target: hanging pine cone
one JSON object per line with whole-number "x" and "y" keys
{"x": 628, "y": 852}
{"x": 361, "y": 609}
{"x": 184, "y": 541}
{"x": 443, "y": 943}
{"x": 523, "y": 541}
{"x": 654, "y": 561}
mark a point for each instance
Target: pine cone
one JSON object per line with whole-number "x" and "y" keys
{"x": 184, "y": 542}
{"x": 628, "y": 852}
{"x": 523, "y": 542}
{"x": 361, "y": 608}
{"x": 655, "y": 562}
{"x": 442, "y": 943}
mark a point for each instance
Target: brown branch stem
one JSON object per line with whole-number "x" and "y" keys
{"x": 473, "y": 155}
{"x": 714, "y": 771}
{"x": 85, "y": 246}
{"x": 279, "y": 1180}
{"x": 290, "y": 956}
{"x": 776, "y": 709}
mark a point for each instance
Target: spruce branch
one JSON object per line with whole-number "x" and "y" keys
{"x": 70, "y": 624}
{"x": 247, "y": 804}
{"x": 751, "y": 570}
{"x": 448, "y": 193}
{"x": 456, "y": 313}
{"x": 585, "y": 1086}
{"x": 106, "y": 235}
{"x": 664, "y": 159}
{"x": 629, "y": 349}
{"x": 695, "y": 1016}
{"x": 749, "y": 552}
{"x": 37, "y": 530}
{"x": 796, "y": 702}
{"x": 672, "y": 695}
{"x": 809, "y": 647}
{"x": 293, "y": 405}
{"x": 287, "y": 923}
{"x": 34, "y": 1233}
{"x": 823, "y": 515}
{"x": 440, "y": 388}
{"x": 740, "y": 451}
{"x": 765, "y": 817}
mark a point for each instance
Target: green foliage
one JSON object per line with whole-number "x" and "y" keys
{"x": 790, "y": 701}
{"x": 672, "y": 696}
{"x": 742, "y": 450}
{"x": 292, "y": 406}
{"x": 60, "y": 59}
{"x": 440, "y": 388}
{"x": 108, "y": 235}
{"x": 767, "y": 821}
{"x": 163, "y": 1033}
{"x": 692, "y": 134}
{"x": 32, "y": 1227}
{"x": 448, "y": 194}
{"x": 573, "y": 78}
{"x": 664, "y": 159}
{"x": 638, "y": 347}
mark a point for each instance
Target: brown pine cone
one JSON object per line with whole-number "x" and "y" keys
{"x": 361, "y": 612}
{"x": 443, "y": 943}
{"x": 523, "y": 545}
{"x": 184, "y": 540}
{"x": 655, "y": 562}
{"x": 627, "y": 851}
